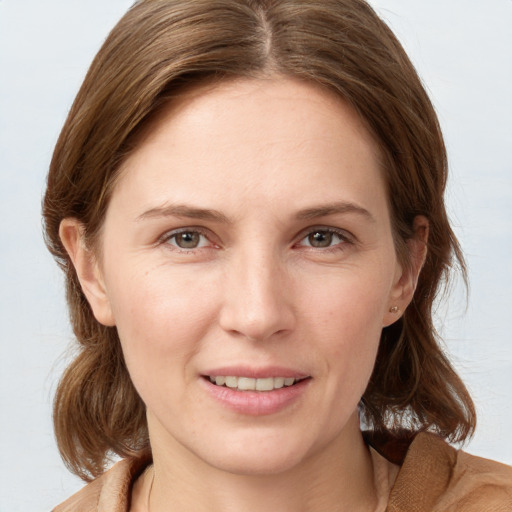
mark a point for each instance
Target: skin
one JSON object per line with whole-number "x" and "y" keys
{"x": 275, "y": 159}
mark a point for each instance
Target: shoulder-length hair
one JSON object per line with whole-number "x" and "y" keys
{"x": 159, "y": 49}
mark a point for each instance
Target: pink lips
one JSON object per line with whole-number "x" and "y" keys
{"x": 256, "y": 403}
{"x": 257, "y": 373}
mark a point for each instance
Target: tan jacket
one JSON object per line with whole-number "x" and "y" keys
{"x": 434, "y": 477}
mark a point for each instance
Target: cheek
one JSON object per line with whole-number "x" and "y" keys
{"x": 346, "y": 318}
{"x": 349, "y": 302}
{"x": 161, "y": 317}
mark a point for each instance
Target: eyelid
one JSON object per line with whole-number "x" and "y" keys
{"x": 345, "y": 235}
{"x": 168, "y": 235}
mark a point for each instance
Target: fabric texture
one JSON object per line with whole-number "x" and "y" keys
{"x": 110, "y": 492}
{"x": 433, "y": 477}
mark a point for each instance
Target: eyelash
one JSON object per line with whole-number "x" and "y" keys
{"x": 345, "y": 238}
{"x": 343, "y": 235}
{"x": 172, "y": 235}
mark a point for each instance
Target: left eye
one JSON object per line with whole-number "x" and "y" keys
{"x": 321, "y": 238}
{"x": 188, "y": 240}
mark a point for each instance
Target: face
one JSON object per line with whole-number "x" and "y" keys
{"x": 248, "y": 241}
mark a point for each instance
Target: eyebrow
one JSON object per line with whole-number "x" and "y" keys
{"x": 325, "y": 210}
{"x": 183, "y": 210}
{"x": 192, "y": 212}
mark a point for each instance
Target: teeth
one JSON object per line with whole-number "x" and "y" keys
{"x": 246, "y": 384}
{"x": 279, "y": 382}
{"x": 231, "y": 382}
{"x": 250, "y": 384}
{"x": 264, "y": 384}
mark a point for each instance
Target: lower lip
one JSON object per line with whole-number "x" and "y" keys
{"x": 257, "y": 403}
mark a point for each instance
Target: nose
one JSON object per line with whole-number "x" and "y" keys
{"x": 257, "y": 301}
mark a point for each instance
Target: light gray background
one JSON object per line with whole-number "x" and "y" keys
{"x": 463, "y": 51}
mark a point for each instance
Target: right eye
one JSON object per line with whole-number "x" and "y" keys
{"x": 187, "y": 239}
{"x": 322, "y": 238}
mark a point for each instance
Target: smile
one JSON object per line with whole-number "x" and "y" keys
{"x": 252, "y": 384}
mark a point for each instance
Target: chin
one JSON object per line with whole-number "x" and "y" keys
{"x": 256, "y": 464}
{"x": 268, "y": 453}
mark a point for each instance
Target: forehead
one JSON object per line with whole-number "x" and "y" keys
{"x": 259, "y": 138}
{"x": 247, "y": 106}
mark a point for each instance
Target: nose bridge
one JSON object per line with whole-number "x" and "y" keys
{"x": 256, "y": 301}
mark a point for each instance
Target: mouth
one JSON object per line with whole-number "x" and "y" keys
{"x": 253, "y": 384}
{"x": 256, "y": 391}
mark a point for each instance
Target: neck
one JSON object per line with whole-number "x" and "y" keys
{"x": 338, "y": 478}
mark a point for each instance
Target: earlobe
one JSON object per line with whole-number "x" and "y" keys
{"x": 71, "y": 233}
{"x": 407, "y": 277}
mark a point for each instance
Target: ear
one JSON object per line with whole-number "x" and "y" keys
{"x": 71, "y": 232}
{"x": 406, "y": 278}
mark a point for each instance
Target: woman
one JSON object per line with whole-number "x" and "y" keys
{"x": 247, "y": 200}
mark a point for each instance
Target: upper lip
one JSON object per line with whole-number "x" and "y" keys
{"x": 256, "y": 373}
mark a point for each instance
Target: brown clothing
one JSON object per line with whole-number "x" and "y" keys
{"x": 433, "y": 477}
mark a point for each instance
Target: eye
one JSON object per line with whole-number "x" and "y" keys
{"x": 323, "y": 238}
{"x": 187, "y": 239}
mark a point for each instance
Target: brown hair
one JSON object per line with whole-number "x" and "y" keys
{"x": 162, "y": 46}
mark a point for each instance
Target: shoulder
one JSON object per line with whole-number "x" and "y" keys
{"x": 111, "y": 491}
{"x": 435, "y": 477}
